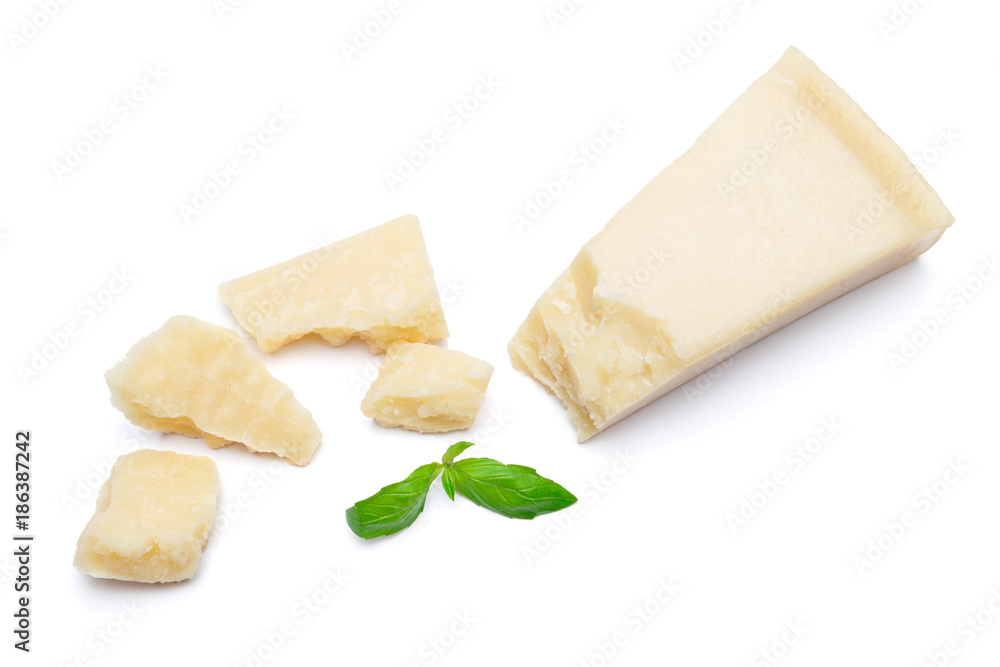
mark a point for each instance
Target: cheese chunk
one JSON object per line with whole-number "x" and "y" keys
{"x": 377, "y": 286}
{"x": 426, "y": 388}
{"x": 153, "y": 518}
{"x": 790, "y": 199}
{"x": 201, "y": 380}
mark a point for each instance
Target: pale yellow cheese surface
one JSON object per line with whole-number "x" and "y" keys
{"x": 426, "y": 388}
{"x": 790, "y": 199}
{"x": 203, "y": 381}
{"x": 377, "y": 285}
{"x": 153, "y": 518}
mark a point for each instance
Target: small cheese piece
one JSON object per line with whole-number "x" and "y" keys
{"x": 426, "y": 388}
{"x": 790, "y": 199}
{"x": 203, "y": 381}
{"x": 153, "y": 518}
{"x": 377, "y": 286}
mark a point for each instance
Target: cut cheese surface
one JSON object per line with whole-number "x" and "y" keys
{"x": 203, "y": 381}
{"x": 790, "y": 199}
{"x": 426, "y": 388}
{"x": 377, "y": 286}
{"x": 153, "y": 518}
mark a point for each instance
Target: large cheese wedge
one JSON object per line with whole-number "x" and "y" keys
{"x": 790, "y": 199}
{"x": 377, "y": 285}
{"x": 153, "y": 518}
{"x": 203, "y": 381}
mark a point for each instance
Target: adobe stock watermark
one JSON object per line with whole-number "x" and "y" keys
{"x": 561, "y": 12}
{"x": 435, "y": 648}
{"x": 589, "y": 493}
{"x": 101, "y": 640}
{"x": 655, "y": 258}
{"x": 967, "y": 631}
{"x": 956, "y": 300}
{"x": 258, "y": 482}
{"x": 921, "y": 504}
{"x": 752, "y": 504}
{"x": 635, "y": 620}
{"x": 579, "y": 161}
{"x": 869, "y": 214}
{"x": 708, "y": 33}
{"x": 945, "y": 137}
{"x": 873, "y": 211}
{"x": 449, "y": 291}
{"x": 32, "y": 24}
{"x": 87, "y": 485}
{"x": 270, "y": 642}
{"x": 633, "y": 281}
{"x": 782, "y": 300}
{"x": 783, "y": 130}
{"x": 488, "y": 425}
{"x": 121, "y": 109}
{"x": 8, "y": 570}
{"x": 779, "y": 649}
{"x": 248, "y": 150}
{"x": 223, "y": 8}
{"x": 374, "y": 26}
{"x": 86, "y": 312}
{"x": 293, "y": 277}
{"x": 899, "y": 15}
{"x": 456, "y": 116}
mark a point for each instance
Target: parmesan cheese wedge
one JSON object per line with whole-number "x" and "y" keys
{"x": 153, "y": 518}
{"x": 201, "y": 380}
{"x": 790, "y": 199}
{"x": 377, "y": 286}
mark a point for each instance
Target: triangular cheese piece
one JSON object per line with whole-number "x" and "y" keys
{"x": 377, "y": 285}
{"x": 790, "y": 199}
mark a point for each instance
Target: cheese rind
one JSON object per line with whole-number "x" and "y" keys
{"x": 377, "y": 286}
{"x": 153, "y": 518}
{"x": 790, "y": 199}
{"x": 201, "y": 380}
{"x": 426, "y": 388}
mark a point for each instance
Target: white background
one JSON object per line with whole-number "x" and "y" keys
{"x": 694, "y": 455}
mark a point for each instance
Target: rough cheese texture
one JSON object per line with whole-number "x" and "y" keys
{"x": 203, "y": 381}
{"x": 153, "y": 518}
{"x": 426, "y": 388}
{"x": 790, "y": 199}
{"x": 377, "y": 286}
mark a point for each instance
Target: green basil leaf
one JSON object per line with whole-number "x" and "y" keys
{"x": 394, "y": 507}
{"x": 455, "y": 450}
{"x": 448, "y": 481}
{"x": 514, "y": 491}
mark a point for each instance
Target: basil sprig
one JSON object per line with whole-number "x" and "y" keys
{"x": 517, "y": 492}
